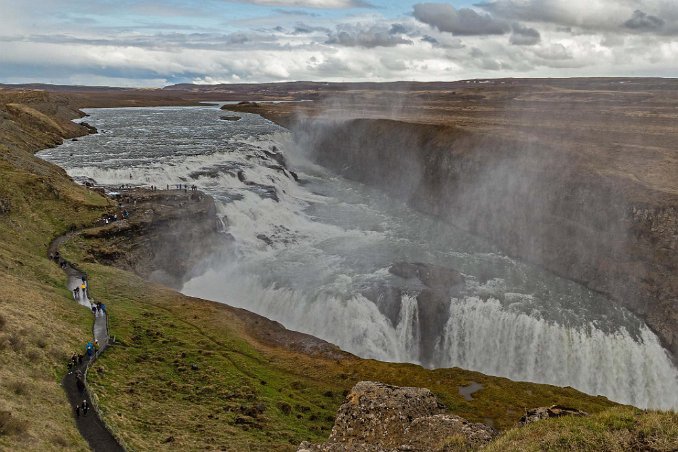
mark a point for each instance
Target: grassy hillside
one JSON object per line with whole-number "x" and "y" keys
{"x": 40, "y": 325}
{"x": 185, "y": 374}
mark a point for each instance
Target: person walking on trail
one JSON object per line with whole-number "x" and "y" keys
{"x": 94, "y": 310}
{"x": 77, "y": 411}
{"x": 96, "y": 346}
{"x": 90, "y": 349}
{"x": 83, "y": 289}
{"x": 85, "y": 407}
{"x": 76, "y": 293}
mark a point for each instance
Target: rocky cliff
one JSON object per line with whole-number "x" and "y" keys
{"x": 582, "y": 182}
{"x": 165, "y": 238}
{"x": 537, "y": 203}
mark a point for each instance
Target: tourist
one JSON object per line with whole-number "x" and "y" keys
{"x": 85, "y": 407}
{"x": 77, "y": 411}
{"x": 94, "y": 310}
{"x": 90, "y": 349}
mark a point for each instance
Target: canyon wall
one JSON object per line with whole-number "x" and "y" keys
{"x": 536, "y": 199}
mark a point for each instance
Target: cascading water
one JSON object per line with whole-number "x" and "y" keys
{"x": 316, "y": 256}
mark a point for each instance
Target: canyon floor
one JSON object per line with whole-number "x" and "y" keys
{"x": 190, "y": 374}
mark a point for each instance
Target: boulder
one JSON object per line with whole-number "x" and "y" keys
{"x": 379, "y": 417}
{"x": 443, "y": 432}
{"x": 537, "y": 414}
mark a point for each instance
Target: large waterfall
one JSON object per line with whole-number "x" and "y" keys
{"x": 314, "y": 257}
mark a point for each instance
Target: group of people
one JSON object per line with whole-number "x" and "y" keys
{"x": 80, "y": 291}
{"x": 75, "y": 361}
{"x": 82, "y": 408}
{"x": 113, "y": 217}
{"x": 92, "y": 348}
{"x": 56, "y": 257}
{"x": 98, "y": 308}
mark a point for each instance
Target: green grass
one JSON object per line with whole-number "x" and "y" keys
{"x": 616, "y": 429}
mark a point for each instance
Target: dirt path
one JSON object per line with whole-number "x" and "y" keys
{"x": 90, "y": 425}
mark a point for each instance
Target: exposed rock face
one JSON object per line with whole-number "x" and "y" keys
{"x": 167, "y": 234}
{"x": 434, "y": 286}
{"x": 537, "y": 414}
{"x": 380, "y": 417}
{"x": 554, "y": 203}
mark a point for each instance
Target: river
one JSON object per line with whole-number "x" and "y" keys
{"x": 311, "y": 258}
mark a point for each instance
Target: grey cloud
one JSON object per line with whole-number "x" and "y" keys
{"x": 599, "y": 16}
{"x": 303, "y": 29}
{"x": 641, "y": 21}
{"x": 398, "y": 29}
{"x": 464, "y": 21}
{"x": 374, "y": 36}
{"x": 524, "y": 36}
{"x": 430, "y": 40}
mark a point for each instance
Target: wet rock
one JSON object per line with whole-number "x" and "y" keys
{"x": 295, "y": 176}
{"x": 433, "y": 302}
{"x": 277, "y": 156}
{"x": 432, "y": 276}
{"x": 537, "y": 414}
{"x": 241, "y": 176}
{"x": 387, "y": 298}
{"x": 380, "y": 417}
{"x": 433, "y": 308}
{"x": 90, "y": 129}
{"x": 230, "y": 118}
{"x": 265, "y": 239}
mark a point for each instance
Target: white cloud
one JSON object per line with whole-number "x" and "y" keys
{"x": 503, "y": 38}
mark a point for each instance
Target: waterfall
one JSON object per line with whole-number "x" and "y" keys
{"x": 484, "y": 336}
{"x": 328, "y": 238}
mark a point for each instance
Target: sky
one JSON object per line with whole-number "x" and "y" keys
{"x": 153, "y": 43}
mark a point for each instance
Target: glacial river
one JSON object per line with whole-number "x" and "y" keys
{"x": 311, "y": 258}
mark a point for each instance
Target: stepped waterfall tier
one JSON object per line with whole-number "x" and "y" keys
{"x": 340, "y": 260}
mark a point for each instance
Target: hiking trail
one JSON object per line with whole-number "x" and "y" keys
{"x": 91, "y": 426}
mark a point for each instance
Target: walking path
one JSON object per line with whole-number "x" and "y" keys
{"x": 91, "y": 426}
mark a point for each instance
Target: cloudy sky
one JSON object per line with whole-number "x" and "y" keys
{"x": 156, "y": 43}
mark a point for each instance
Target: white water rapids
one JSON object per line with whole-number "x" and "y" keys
{"x": 311, "y": 260}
